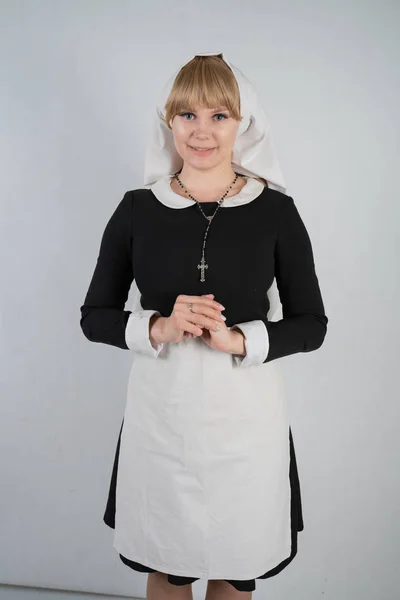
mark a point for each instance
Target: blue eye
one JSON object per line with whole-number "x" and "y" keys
{"x": 216, "y": 115}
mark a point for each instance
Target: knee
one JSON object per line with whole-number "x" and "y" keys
{"x": 158, "y": 576}
{"x": 218, "y": 589}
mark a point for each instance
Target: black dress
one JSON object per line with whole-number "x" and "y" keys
{"x": 302, "y": 329}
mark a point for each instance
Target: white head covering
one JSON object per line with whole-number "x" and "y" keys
{"x": 253, "y": 152}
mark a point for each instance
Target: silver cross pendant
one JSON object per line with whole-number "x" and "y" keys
{"x": 202, "y": 266}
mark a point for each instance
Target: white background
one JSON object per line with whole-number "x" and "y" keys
{"x": 79, "y": 81}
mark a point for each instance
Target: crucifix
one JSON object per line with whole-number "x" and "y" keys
{"x": 202, "y": 266}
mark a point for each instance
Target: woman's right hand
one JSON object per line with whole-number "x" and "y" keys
{"x": 206, "y": 312}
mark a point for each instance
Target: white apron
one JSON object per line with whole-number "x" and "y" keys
{"x": 203, "y": 485}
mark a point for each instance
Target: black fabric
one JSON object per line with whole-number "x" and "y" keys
{"x": 296, "y": 515}
{"x": 247, "y": 246}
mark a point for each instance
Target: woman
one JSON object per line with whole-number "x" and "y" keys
{"x": 205, "y": 483}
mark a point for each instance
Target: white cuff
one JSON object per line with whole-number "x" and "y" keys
{"x": 137, "y": 334}
{"x": 256, "y": 341}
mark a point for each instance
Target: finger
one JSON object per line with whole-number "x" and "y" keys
{"x": 203, "y": 316}
{"x": 196, "y": 322}
{"x": 208, "y": 311}
{"x": 200, "y": 299}
{"x": 208, "y": 323}
{"x": 192, "y": 328}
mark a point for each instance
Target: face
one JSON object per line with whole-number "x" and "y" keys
{"x": 213, "y": 129}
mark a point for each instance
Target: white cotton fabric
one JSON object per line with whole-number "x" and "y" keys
{"x": 203, "y": 486}
{"x": 137, "y": 333}
{"x": 166, "y": 195}
{"x": 256, "y": 342}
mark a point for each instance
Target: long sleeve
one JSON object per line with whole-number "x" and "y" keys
{"x": 137, "y": 333}
{"x": 256, "y": 343}
{"x": 103, "y": 315}
{"x": 304, "y": 323}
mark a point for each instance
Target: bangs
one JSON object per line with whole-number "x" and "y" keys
{"x": 206, "y": 81}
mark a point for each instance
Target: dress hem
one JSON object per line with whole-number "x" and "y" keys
{"x": 297, "y": 525}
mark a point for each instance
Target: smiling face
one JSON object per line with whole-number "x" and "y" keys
{"x": 205, "y": 128}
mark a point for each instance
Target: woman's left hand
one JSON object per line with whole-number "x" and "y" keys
{"x": 223, "y": 340}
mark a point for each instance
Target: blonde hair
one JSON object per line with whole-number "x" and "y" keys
{"x": 208, "y": 81}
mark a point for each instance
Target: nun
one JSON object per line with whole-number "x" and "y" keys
{"x": 204, "y": 482}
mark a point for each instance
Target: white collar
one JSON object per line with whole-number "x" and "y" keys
{"x": 163, "y": 192}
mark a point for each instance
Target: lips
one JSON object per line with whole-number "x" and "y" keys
{"x": 200, "y": 148}
{"x": 203, "y": 153}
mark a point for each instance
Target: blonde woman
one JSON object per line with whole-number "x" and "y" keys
{"x": 204, "y": 483}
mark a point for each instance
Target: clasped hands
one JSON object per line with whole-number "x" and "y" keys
{"x": 201, "y": 322}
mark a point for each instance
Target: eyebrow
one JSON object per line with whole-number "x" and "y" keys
{"x": 216, "y": 109}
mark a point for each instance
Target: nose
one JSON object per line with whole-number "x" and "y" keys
{"x": 202, "y": 133}
{"x": 203, "y": 126}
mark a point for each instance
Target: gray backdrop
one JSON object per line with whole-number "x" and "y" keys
{"x": 79, "y": 79}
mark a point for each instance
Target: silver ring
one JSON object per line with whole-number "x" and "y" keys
{"x": 190, "y": 307}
